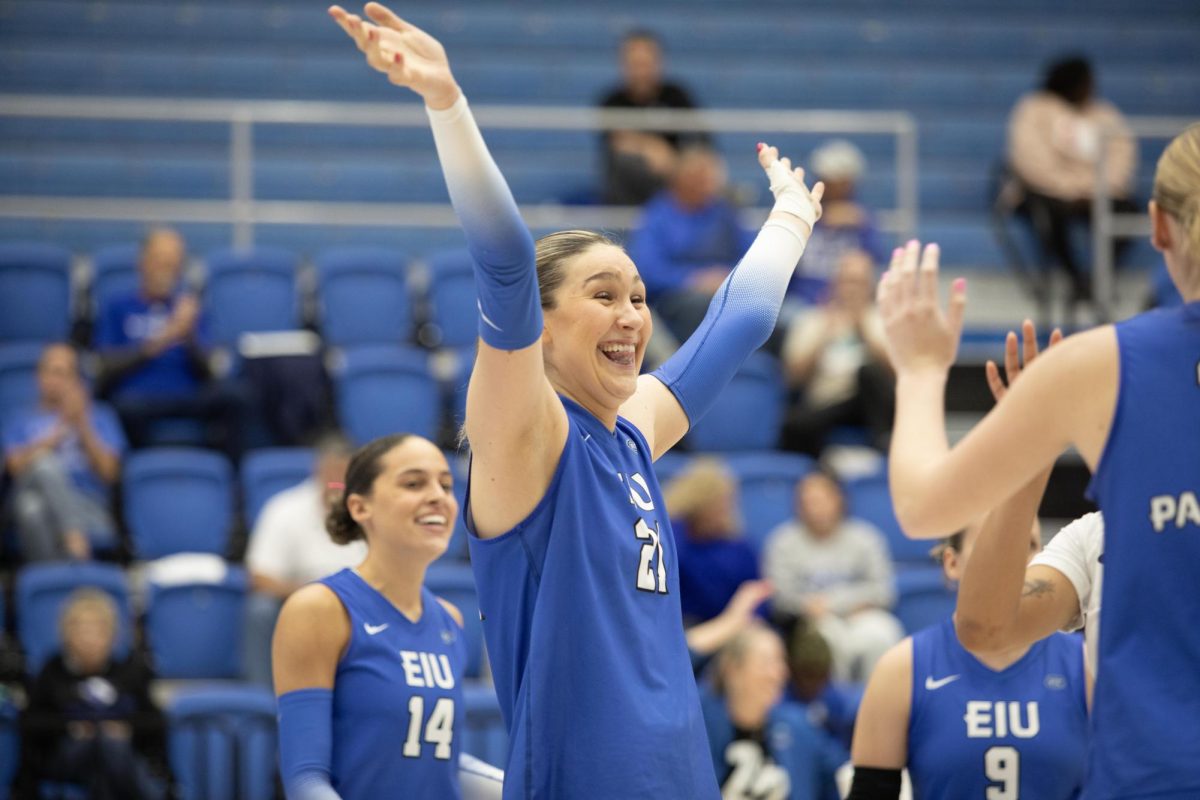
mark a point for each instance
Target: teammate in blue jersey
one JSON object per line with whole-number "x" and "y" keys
{"x": 1127, "y": 397}
{"x": 571, "y": 546}
{"x": 368, "y": 663}
{"x": 1007, "y": 722}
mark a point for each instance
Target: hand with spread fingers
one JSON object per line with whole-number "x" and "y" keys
{"x": 792, "y": 196}
{"x": 1012, "y": 358}
{"x": 409, "y": 56}
{"x": 921, "y": 337}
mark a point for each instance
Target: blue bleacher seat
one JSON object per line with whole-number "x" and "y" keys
{"x": 455, "y": 583}
{"x": 250, "y": 291}
{"x": 18, "y": 375}
{"x": 767, "y": 487}
{"x": 10, "y": 746}
{"x": 363, "y": 295}
{"x": 35, "y": 292}
{"x": 869, "y": 499}
{"x": 923, "y": 597}
{"x": 452, "y": 303}
{"x": 486, "y": 737}
{"x": 177, "y": 500}
{"x": 222, "y": 743}
{"x": 194, "y": 630}
{"x": 114, "y": 272}
{"x": 40, "y": 592}
{"x": 384, "y": 390}
{"x": 748, "y": 412}
{"x": 457, "y": 549}
{"x": 669, "y": 465}
{"x": 267, "y": 472}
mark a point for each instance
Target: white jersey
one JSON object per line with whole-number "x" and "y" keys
{"x": 1077, "y": 552}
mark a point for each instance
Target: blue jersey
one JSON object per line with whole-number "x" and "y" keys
{"x": 1147, "y": 703}
{"x": 974, "y": 732}
{"x": 397, "y": 698}
{"x": 580, "y": 606}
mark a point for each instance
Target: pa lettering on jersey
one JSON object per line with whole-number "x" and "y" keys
{"x": 1167, "y": 509}
{"x": 427, "y": 670}
{"x": 1000, "y": 719}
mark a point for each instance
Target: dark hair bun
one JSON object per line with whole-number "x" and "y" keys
{"x": 341, "y": 526}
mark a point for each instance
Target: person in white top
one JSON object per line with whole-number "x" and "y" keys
{"x": 1004, "y": 603}
{"x": 289, "y": 547}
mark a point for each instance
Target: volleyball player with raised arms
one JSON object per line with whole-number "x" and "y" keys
{"x": 368, "y": 663}
{"x": 1127, "y": 397}
{"x": 571, "y": 546}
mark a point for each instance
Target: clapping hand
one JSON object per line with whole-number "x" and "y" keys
{"x": 409, "y": 56}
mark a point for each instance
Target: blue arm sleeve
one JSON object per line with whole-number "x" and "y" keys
{"x": 306, "y": 744}
{"x": 740, "y": 318}
{"x": 510, "y": 310}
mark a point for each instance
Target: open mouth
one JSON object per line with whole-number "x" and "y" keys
{"x": 622, "y": 354}
{"x": 434, "y": 523}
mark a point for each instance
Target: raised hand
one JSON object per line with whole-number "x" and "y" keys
{"x": 787, "y": 184}
{"x": 1012, "y": 360}
{"x": 409, "y": 56}
{"x": 920, "y": 336}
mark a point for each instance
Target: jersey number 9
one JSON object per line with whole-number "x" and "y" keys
{"x": 1002, "y": 765}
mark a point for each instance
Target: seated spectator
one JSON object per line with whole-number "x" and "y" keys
{"x": 688, "y": 239}
{"x": 289, "y": 547}
{"x": 836, "y": 573}
{"x": 152, "y": 350}
{"x": 64, "y": 455}
{"x": 1054, "y": 138}
{"x": 637, "y": 163}
{"x": 831, "y": 706}
{"x": 713, "y": 558}
{"x": 836, "y": 365}
{"x": 762, "y": 745}
{"x": 846, "y": 225}
{"x": 90, "y": 720}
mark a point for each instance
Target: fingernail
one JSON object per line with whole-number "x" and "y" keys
{"x": 761, "y": 145}
{"x": 396, "y": 58}
{"x": 913, "y": 243}
{"x": 960, "y": 284}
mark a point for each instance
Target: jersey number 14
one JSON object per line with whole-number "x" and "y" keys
{"x": 439, "y": 730}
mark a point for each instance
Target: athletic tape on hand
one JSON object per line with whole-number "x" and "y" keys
{"x": 791, "y": 196}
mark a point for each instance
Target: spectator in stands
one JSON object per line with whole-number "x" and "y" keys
{"x": 289, "y": 548}
{"x": 64, "y": 455}
{"x": 830, "y": 705}
{"x": 762, "y": 745}
{"x": 638, "y": 163}
{"x": 836, "y": 365}
{"x": 688, "y": 239}
{"x": 90, "y": 720}
{"x": 846, "y": 225}
{"x": 713, "y": 558}
{"x": 1054, "y": 142}
{"x": 154, "y": 361}
{"x": 836, "y": 573}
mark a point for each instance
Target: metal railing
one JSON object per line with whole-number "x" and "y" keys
{"x": 244, "y": 212}
{"x": 1108, "y": 225}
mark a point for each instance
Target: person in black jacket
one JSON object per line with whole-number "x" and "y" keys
{"x": 90, "y": 720}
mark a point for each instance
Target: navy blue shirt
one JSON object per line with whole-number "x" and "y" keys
{"x": 128, "y": 321}
{"x": 710, "y": 572}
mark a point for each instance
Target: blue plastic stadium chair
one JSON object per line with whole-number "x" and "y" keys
{"x": 465, "y": 358}
{"x": 923, "y": 597}
{"x": 18, "y": 375}
{"x": 456, "y": 584}
{"x": 177, "y": 500}
{"x": 363, "y": 295}
{"x": 114, "y": 272}
{"x": 222, "y": 743}
{"x": 250, "y": 291}
{"x": 35, "y": 292}
{"x": 453, "y": 307}
{"x": 669, "y": 465}
{"x": 383, "y": 390}
{"x": 10, "y": 746}
{"x": 870, "y": 500}
{"x": 748, "y": 412}
{"x": 194, "y": 630}
{"x": 40, "y": 592}
{"x": 457, "y": 549}
{"x": 486, "y": 737}
{"x": 766, "y": 488}
{"x": 267, "y": 472}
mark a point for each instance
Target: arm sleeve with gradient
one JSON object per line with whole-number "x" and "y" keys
{"x": 510, "y": 311}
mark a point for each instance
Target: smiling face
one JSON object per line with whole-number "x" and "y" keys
{"x": 411, "y": 506}
{"x": 596, "y": 329}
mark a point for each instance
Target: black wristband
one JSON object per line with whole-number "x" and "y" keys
{"x": 871, "y": 783}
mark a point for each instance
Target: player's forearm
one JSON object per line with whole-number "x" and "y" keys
{"x": 989, "y": 594}
{"x": 918, "y": 449}
{"x": 500, "y": 243}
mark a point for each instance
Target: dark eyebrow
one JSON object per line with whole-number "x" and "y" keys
{"x": 421, "y": 472}
{"x": 609, "y": 276}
